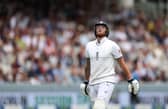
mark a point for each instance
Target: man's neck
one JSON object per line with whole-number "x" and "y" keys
{"x": 99, "y": 39}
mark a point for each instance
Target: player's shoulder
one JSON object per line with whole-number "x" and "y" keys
{"x": 113, "y": 43}
{"x": 90, "y": 43}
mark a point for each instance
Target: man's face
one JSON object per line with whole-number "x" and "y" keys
{"x": 100, "y": 30}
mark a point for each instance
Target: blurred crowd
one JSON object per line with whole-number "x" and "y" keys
{"x": 51, "y": 49}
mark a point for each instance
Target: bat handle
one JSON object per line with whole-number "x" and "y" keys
{"x": 132, "y": 93}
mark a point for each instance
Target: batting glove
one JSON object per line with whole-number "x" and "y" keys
{"x": 84, "y": 88}
{"x": 133, "y": 86}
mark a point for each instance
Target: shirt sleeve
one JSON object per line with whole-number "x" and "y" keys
{"x": 86, "y": 51}
{"x": 116, "y": 51}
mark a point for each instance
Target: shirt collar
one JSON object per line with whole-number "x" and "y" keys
{"x": 101, "y": 41}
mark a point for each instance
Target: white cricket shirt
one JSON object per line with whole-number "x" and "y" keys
{"x": 102, "y": 56}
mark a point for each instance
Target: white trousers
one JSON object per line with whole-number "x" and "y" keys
{"x": 102, "y": 91}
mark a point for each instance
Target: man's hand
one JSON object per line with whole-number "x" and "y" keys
{"x": 84, "y": 88}
{"x": 133, "y": 86}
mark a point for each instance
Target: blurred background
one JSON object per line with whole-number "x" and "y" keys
{"x": 42, "y": 45}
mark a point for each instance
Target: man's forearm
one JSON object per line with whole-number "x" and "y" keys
{"x": 133, "y": 86}
{"x": 125, "y": 68}
{"x": 87, "y": 69}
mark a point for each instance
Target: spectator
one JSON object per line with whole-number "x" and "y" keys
{"x": 50, "y": 47}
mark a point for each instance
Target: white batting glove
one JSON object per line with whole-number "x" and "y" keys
{"x": 133, "y": 86}
{"x": 84, "y": 88}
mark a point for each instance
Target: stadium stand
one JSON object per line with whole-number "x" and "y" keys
{"x": 50, "y": 47}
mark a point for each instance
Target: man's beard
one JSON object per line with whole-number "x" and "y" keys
{"x": 100, "y": 35}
